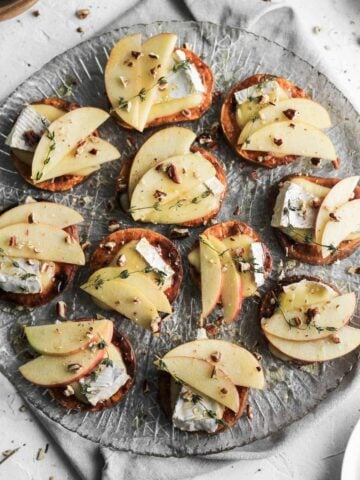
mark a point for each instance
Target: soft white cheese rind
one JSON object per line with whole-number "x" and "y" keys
{"x": 153, "y": 257}
{"x": 293, "y": 207}
{"x": 29, "y": 119}
{"x": 20, "y": 275}
{"x": 260, "y": 89}
{"x": 192, "y": 416}
{"x": 257, "y": 261}
{"x": 185, "y": 80}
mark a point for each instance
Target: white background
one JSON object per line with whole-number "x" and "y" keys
{"x": 26, "y": 43}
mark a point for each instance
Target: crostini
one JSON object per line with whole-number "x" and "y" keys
{"x": 169, "y": 181}
{"x": 204, "y": 384}
{"x": 306, "y": 320}
{"x": 317, "y": 220}
{"x": 270, "y": 121}
{"x": 229, "y": 263}
{"x": 85, "y": 364}
{"x": 137, "y": 273}
{"x": 153, "y": 83}
{"x": 55, "y": 145}
{"x": 39, "y": 252}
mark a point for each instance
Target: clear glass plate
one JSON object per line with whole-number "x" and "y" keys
{"x": 138, "y": 424}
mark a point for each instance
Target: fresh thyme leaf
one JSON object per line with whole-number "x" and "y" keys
{"x": 181, "y": 65}
{"x": 101, "y": 345}
{"x": 124, "y": 274}
{"x": 27, "y": 275}
{"x": 178, "y": 204}
{"x": 38, "y": 175}
{"x": 155, "y": 206}
{"x": 122, "y": 103}
{"x": 142, "y": 94}
{"x": 107, "y": 362}
{"x": 202, "y": 240}
{"x": 66, "y": 88}
{"x": 98, "y": 282}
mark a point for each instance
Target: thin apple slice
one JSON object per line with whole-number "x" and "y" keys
{"x": 231, "y": 293}
{"x": 139, "y": 281}
{"x": 343, "y": 342}
{"x": 50, "y": 112}
{"x": 337, "y": 196}
{"x": 74, "y": 161}
{"x": 327, "y": 317}
{"x": 211, "y": 276}
{"x": 125, "y": 299}
{"x": 204, "y": 377}
{"x": 281, "y": 138}
{"x": 315, "y": 189}
{"x": 168, "y": 142}
{"x": 151, "y": 69}
{"x": 67, "y": 338}
{"x": 346, "y": 221}
{"x": 238, "y": 363}
{"x": 175, "y": 105}
{"x": 42, "y": 242}
{"x": 62, "y": 136}
{"x": 41, "y": 212}
{"x": 123, "y": 78}
{"x": 86, "y": 171}
{"x": 304, "y": 293}
{"x": 57, "y": 371}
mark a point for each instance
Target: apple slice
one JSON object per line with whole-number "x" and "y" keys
{"x": 337, "y": 196}
{"x": 67, "y": 338}
{"x": 341, "y": 343}
{"x": 151, "y": 69}
{"x": 50, "y": 112}
{"x": 280, "y": 138}
{"x": 86, "y": 171}
{"x": 41, "y": 212}
{"x": 231, "y": 293}
{"x": 238, "y": 363}
{"x": 59, "y": 371}
{"x": 125, "y": 299}
{"x": 347, "y": 220}
{"x": 211, "y": 276}
{"x": 330, "y": 316}
{"x": 304, "y": 293}
{"x": 139, "y": 281}
{"x": 42, "y": 242}
{"x": 73, "y": 161}
{"x": 168, "y": 142}
{"x": 123, "y": 78}
{"x": 204, "y": 377}
{"x": 315, "y": 189}
{"x": 62, "y": 136}
{"x": 174, "y": 106}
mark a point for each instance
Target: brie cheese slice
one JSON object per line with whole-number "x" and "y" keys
{"x": 29, "y": 120}
{"x": 257, "y": 261}
{"x": 215, "y": 185}
{"x": 263, "y": 89}
{"x": 191, "y": 412}
{"x": 153, "y": 257}
{"x": 293, "y": 207}
{"x": 20, "y": 275}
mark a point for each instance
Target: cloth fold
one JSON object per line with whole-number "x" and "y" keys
{"x": 279, "y": 21}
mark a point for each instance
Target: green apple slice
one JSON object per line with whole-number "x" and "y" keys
{"x": 345, "y": 341}
{"x": 125, "y": 299}
{"x": 62, "y": 136}
{"x": 86, "y": 171}
{"x": 281, "y": 138}
{"x": 174, "y": 106}
{"x": 42, "y": 242}
{"x": 315, "y": 189}
{"x": 123, "y": 78}
{"x": 50, "y": 213}
{"x": 335, "y": 231}
{"x": 306, "y": 292}
{"x": 238, "y": 363}
{"x": 168, "y": 142}
{"x": 56, "y": 371}
{"x": 211, "y": 276}
{"x": 337, "y": 196}
{"x": 331, "y": 316}
{"x": 204, "y": 377}
{"x": 50, "y": 112}
{"x": 67, "y": 338}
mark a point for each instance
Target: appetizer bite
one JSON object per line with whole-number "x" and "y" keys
{"x": 152, "y": 83}
{"x": 55, "y": 145}
{"x": 306, "y": 320}
{"x": 39, "y": 252}
{"x": 270, "y": 121}
{"x": 204, "y": 384}
{"x": 229, "y": 262}
{"x": 137, "y": 273}
{"x": 170, "y": 182}
{"x": 317, "y": 220}
{"x": 85, "y": 364}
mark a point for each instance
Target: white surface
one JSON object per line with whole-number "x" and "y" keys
{"x": 351, "y": 465}
{"x": 26, "y": 44}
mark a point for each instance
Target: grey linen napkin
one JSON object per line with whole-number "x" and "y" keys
{"x": 279, "y": 21}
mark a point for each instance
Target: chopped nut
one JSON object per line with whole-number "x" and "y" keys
{"x": 316, "y": 161}
{"x": 292, "y": 125}
{"x": 173, "y": 173}
{"x": 31, "y": 138}
{"x": 153, "y": 72}
{"x": 179, "y": 233}
{"x": 278, "y": 141}
{"x": 31, "y": 218}
{"x": 297, "y": 321}
{"x": 36, "y": 13}
{"x": 61, "y": 309}
{"x": 153, "y": 55}
{"x": 257, "y": 355}
{"x": 316, "y": 202}
{"x": 136, "y": 54}
{"x": 93, "y": 151}
{"x": 289, "y": 113}
{"x": 113, "y": 226}
{"x": 249, "y": 412}
{"x": 237, "y": 210}
{"x": 13, "y": 241}
{"x": 109, "y": 246}
{"x": 69, "y": 391}
{"x": 124, "y": 81}
{"x": 83, "y": 13}
{"x": 311, "y": 314}
{"x": 159, "y": 195}
{"x": 211, "y": 329}
{"x": 216, "y": 356}
{"x": 74, "y": 367}
{"x": 186, "y": 112}
{"x": 336, "y": 163}
{"x": 136, "y": 300}
{"x": 317, "y": 29}
{"x": 80, "y": 30}
{"x": 224, "y": 391}
{"x": 120, "y": 262}
{"x": 334, "y": 217}
{"x": 354, "y": 270}
{"x": 335, "y": 338}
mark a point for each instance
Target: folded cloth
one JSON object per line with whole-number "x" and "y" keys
{"x": 279, "y": 21}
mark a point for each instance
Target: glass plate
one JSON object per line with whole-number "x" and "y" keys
{"x": 138, "y": 424}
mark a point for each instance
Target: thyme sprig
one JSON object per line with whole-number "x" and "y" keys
{"x": 99, "y": 281}
{"x": 202, "y": 240}
{"x": 52, "y": 146}
{"x": 155, "y": 206}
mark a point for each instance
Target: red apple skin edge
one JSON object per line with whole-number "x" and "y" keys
{"x": 241, "y": 297}
{"x": 216, "y": 301}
